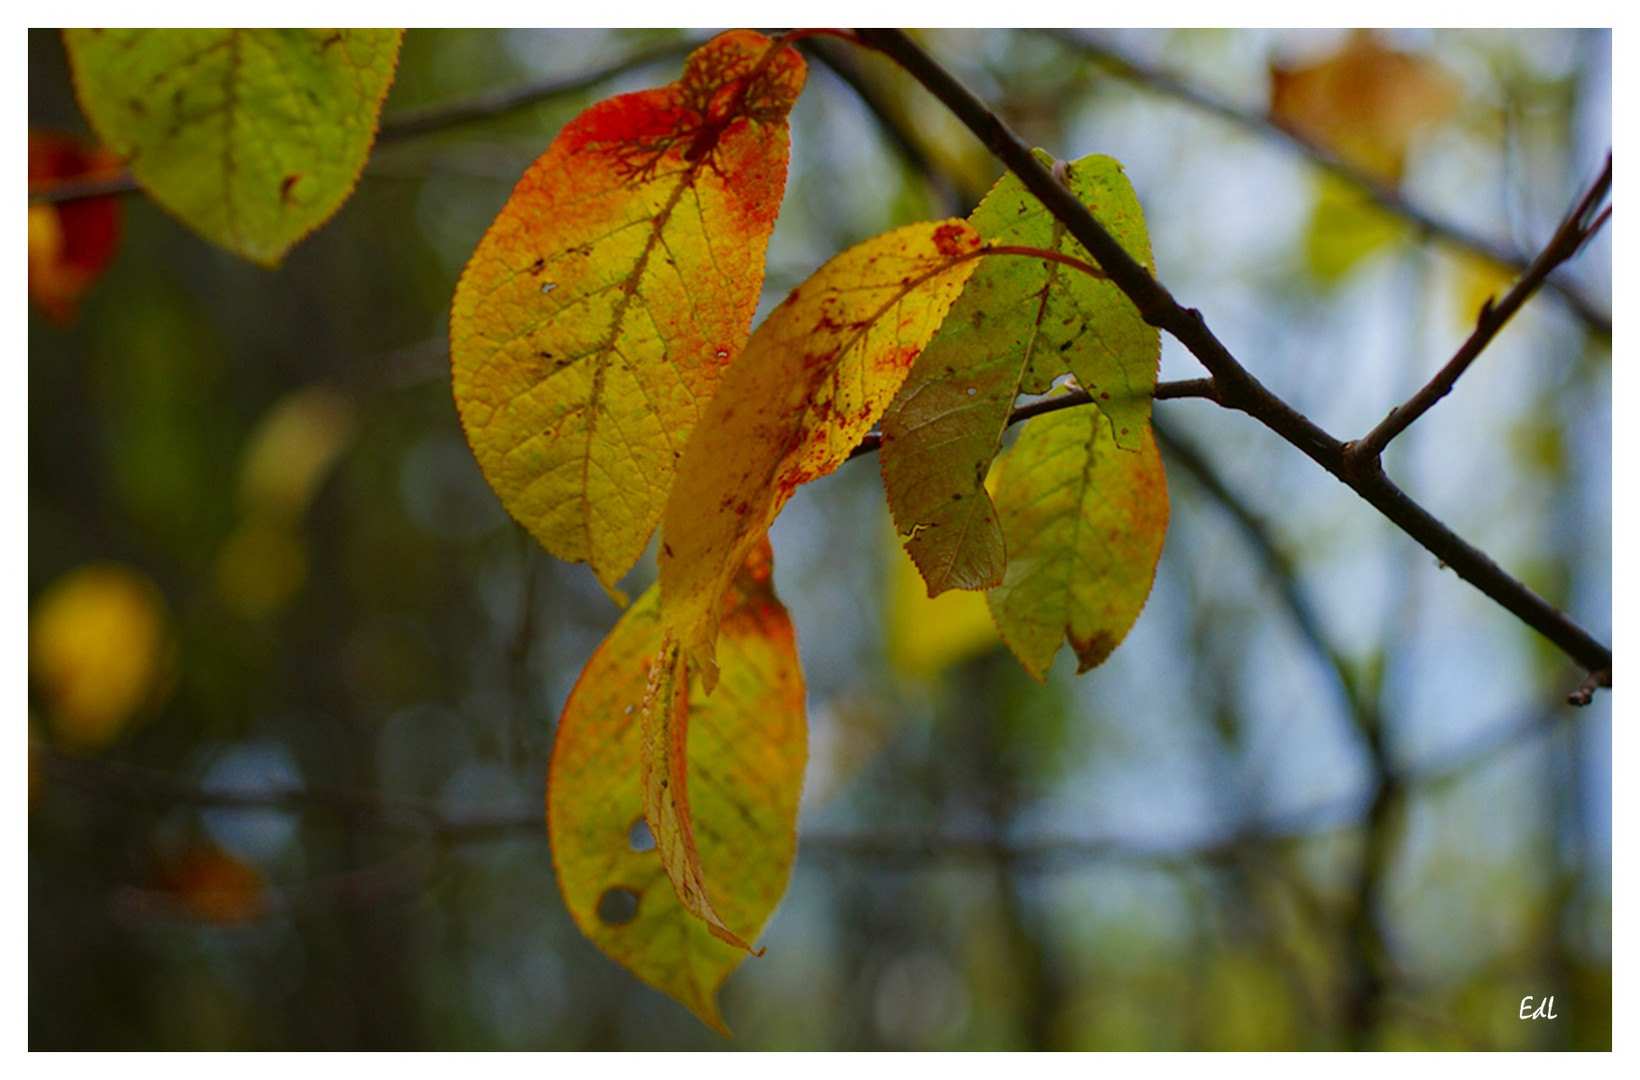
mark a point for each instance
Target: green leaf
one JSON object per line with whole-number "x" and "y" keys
{"x": 1084, "y": 520}
{"x": 1019, "y": 324}
{"x": 253, "y": 138}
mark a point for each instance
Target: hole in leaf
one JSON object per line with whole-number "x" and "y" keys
{"x": 639, "y": 838}
{"x": 618, "y": 906}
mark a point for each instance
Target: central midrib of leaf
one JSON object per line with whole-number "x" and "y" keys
{"x": 629, "y": 290}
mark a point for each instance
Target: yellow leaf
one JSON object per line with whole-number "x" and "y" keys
{"x": 605, "y": 301}
{"x": 813, "y": 379}
{"x": 746, "y": 750}
{"x": 100, "y": 651}
{"x": 1346, "y": 227}
{"x": 292, "y": 450}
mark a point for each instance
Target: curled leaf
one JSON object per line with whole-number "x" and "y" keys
{"x": 813, "y": 379}
{"x": 746, "y": 749}
{"x": 604, "y": 303}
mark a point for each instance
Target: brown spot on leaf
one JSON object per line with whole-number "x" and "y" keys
{"x": 951, "y": 239}
{"x": 1092, "y": 651}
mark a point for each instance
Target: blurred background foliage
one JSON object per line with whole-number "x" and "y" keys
{"x": 294, "y": 673}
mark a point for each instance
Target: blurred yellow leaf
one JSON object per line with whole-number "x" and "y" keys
{"x": 263, "y": 564}
{"x": 1365, "y": 102}
{"x": 1346, "y": 227}
{"x": 293, "y": 448}
{"x": 100, "y": 651}
{"x": 1476, "y": 281}
{"x": 927, "y": 634}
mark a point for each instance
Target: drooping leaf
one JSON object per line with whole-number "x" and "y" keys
{"x": 747, "y": 747}
{"x": 1366, "y": 101}
{"x": 813, "y": 379}
{"x": 70, "y": 244}
{"x": 605, "y": 301}
{"x": 1084, "y": 520}
{"x": 253, "y": 138}
{"x": 1020, "y": 323}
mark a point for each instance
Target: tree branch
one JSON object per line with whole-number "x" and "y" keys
{"x": 1183, "y": 388}
{"x": 1135, "y": 71}
{"x": 1236, "y": 387}
{"x": 1578, "y": 226}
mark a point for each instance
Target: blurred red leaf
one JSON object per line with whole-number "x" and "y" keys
{"x": 70, "y": 243}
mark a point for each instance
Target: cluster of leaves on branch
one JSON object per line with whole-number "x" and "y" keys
{"x": 609, "y": 383}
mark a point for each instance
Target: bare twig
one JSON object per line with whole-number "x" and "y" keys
{"x": 1580, "y": 223}
{"x": 494, "y": 103}
{"x": 947, "y": 195}
{"x": 1237, "y": 388}
{"x": 1385, "y": 195}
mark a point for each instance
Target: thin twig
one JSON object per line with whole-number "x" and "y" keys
{"x": 1276, "y": 563}
{"x": 1237, "y": 388}
{"x": 948, "y": 196}
{"x": 1385, "y": 195}
{"x": 1575, "y": 230}
{"x": 1182, "y": 388}
{"x": 491, "y": 104}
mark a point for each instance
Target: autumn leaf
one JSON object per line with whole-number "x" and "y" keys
{"x": 746, "y": 750}
{"x": 1366, "y": 102}
{"x": 253, "y": 138}
{"x": 605, "y": 301}
{"x": 815, "y": 376}
{"x": 1019, "y": 324}
{"x": 70, "y": 244}
{"x": 1084, "y": 520}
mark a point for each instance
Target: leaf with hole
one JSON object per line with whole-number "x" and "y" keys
{"x": 253, "y": 138}
{"x": 1020, "y": 323}
{"x": 746, "y": 749}
{"x": 598, "y": 313}
{"x": 814, "y": 377}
